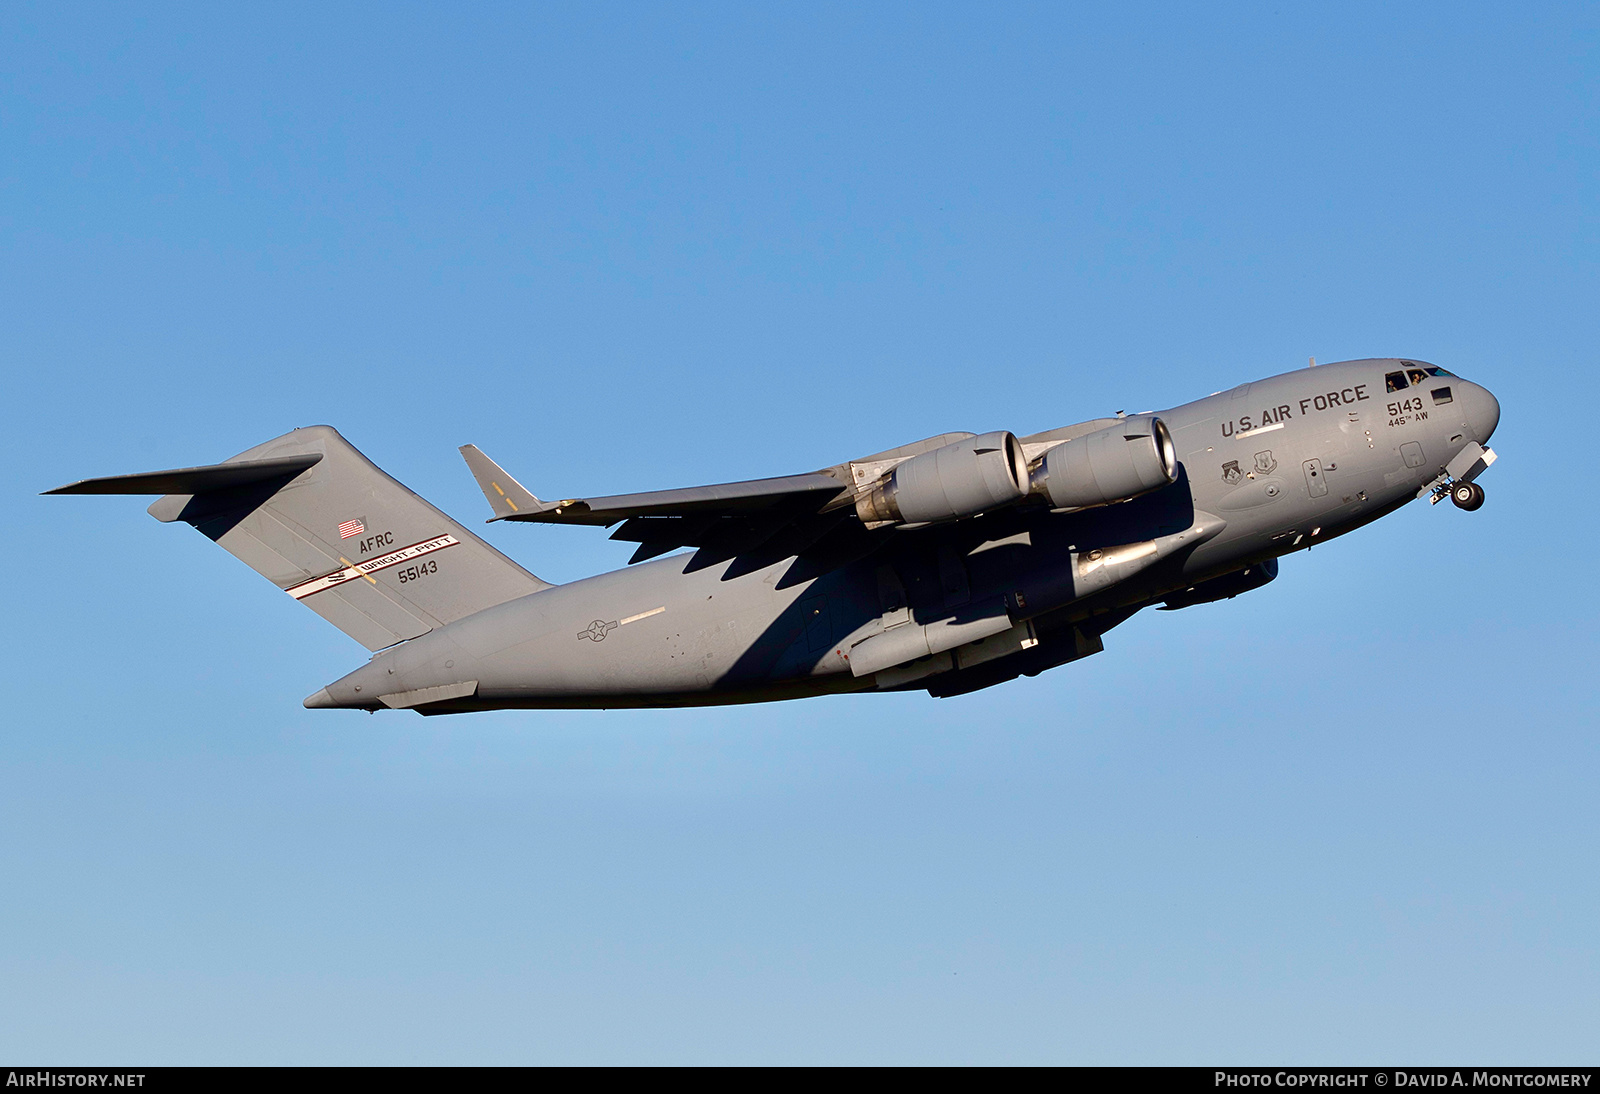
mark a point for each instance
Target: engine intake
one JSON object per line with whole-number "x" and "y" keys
{"x": 1133, "y": 457}
{"x": 958, "y": 480}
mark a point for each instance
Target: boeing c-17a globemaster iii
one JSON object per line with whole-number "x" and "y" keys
{"x": 951, "y": 564}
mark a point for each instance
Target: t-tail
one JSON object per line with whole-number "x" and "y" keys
{"x": 324, "y": 524}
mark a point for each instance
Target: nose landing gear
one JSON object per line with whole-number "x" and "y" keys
{"x": 1455, "y": 478}
{"x": 1467, "y": 496}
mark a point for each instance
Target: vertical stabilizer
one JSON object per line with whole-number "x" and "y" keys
{"x": 326, "y": 525}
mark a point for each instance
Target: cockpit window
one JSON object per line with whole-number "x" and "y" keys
{"x": 1414, "y": 375}
{"x": 1440, "y": 394}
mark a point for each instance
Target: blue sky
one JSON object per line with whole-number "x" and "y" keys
{"x": 1348, "y": 818}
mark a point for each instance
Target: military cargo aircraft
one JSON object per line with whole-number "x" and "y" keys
{"x": 948, "y": 565}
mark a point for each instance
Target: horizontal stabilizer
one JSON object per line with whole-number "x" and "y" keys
{"x": 507, "y": 497}
{"x": 194, "y": 480}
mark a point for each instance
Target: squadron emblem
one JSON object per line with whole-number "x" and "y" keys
{"x": 1231, "y": 473}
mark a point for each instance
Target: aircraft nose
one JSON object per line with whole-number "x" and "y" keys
{"x": 1483, "y": 411}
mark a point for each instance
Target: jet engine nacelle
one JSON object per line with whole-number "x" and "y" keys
{"x": 959, "y": 480}
{"x": 1133, "y": 457}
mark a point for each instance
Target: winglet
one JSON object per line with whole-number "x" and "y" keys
{"x": 507, "y": 497}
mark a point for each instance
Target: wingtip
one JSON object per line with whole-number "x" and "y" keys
{"x": 506, "y": 496}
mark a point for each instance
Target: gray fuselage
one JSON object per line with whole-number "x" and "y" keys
{"x": 1267, "y": 468}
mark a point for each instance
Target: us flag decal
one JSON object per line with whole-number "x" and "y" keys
{"x": 351, "y": 528}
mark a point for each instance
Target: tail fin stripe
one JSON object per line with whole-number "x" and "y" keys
{"x": 353, "y": 570}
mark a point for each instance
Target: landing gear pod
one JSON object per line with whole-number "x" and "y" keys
{"x": 1133, "y": 457}
{"x": 959, "y": 480}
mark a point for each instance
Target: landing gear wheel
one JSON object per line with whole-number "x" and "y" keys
{"x": 1467, "y": 495}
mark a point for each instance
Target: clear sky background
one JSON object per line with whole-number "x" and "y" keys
{"x": 1351, "y": 817}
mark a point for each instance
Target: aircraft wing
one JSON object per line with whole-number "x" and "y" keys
{"x": 759, "y": 520}
{"x": 723, "y": 519}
